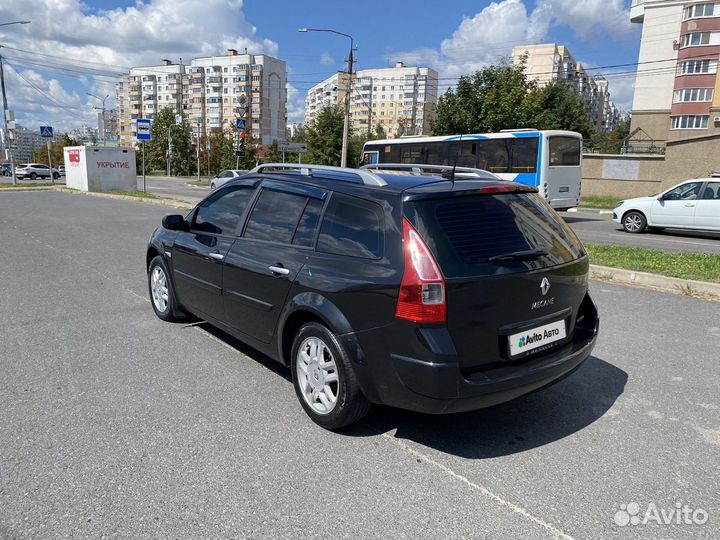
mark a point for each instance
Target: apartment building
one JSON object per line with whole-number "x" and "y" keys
{"x": 24, "y": 143}
{"x": 401, "y": 99}
{"x": 676, "y": 88}
{"x": 549, "y": 62}
{"x": 212, "y": 92}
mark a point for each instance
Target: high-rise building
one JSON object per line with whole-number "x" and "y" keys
{"x": 25, "y": 143}
{"x": 212, "y": 92}
{"x": 549, "y": 62}
{"x": 400, "y": 99}
{"x": 676, "y": 83}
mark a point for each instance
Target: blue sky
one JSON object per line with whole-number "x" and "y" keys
{"x": 49, "y": 76}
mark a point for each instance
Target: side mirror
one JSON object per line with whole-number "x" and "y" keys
{"x": 175, "y": 222}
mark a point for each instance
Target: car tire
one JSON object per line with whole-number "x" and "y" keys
{"x": 634, "y": 222}
{"x": 212, "y": 186}
{"x": 33, "y": 176}
{"x": 319, "y": 360}
{"x": 162, "y": 295}
{"x": 56, "y": 176}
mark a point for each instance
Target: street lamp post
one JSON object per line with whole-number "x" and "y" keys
{"x": 6, "y": 110}
{"x": 104, "y": 131}
{"x": 348, "y": 90}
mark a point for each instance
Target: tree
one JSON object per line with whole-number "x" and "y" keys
{"x": 612, "y": 142}
{"x": 557, "y": 106}
{"x": 57, "y": 151}
{"x": 402, "y": 127}
{"x": 324, "y": 139}
{"x": 183, "y": 151}
{"x": 380, "y": 132}
{"x": 487, "y": 101}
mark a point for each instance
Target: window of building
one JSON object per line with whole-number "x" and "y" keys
{"x": 693, "y": 94}
{"x": 699, "y": 39}
{"x": 701, "y": 10}
{"x": 690, "y": 121}
{"x": 692, "y": 67}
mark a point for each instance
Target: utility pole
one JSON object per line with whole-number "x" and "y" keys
{"x": 104, "y": 130}
{"x": 6, "y": 113}
{"x": 413, "y": 116}
{"x": 169, "y": 148}
{"x": 346, "y": 124}
{"x": 197, "y": 149}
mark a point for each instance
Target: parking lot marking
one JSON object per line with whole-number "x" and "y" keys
{"x": 557, "y": 533}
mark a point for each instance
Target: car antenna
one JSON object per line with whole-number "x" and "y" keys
{"x": 457, "y": 156}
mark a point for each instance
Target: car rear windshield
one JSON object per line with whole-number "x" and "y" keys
{"x": 483, "y": 235}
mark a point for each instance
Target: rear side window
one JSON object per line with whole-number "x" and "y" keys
{"x": 465, "y": 233}
{"x": 221, "y": 213}
{"x": 352, "y": 227}
{"x": 305, "y": 232}
{"x": 564, "y": 152}
{"x": 275, "y": 216}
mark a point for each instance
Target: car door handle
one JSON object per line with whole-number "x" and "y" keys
{"x": 217, "y": 256}
{"x": 689, "y": 204}
{"x": 279, "y": 270}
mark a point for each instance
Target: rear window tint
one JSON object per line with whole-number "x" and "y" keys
{"x": 352, "y": 227}
{"x": 464, "y": 233}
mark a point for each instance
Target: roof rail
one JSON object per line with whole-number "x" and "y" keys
{"x": 422, "y": 169}
{"x": 354, "y": 175}
{"x": 518, "y": 130}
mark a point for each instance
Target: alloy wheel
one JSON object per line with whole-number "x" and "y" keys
{"x": 317, "y": 375}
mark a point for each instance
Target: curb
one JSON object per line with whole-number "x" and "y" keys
{"x": 172, "y": 203}
{"x": 687, "y": 287}
{"x": 589, "y": 210}
{"x": 188, "y": 184}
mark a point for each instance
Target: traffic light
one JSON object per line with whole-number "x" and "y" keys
{"x": 240, "y": 150}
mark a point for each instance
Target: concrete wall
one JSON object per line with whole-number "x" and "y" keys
{"x": 636, "y": 175}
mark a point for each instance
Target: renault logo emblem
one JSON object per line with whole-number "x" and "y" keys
{"x": 545, "y": 286}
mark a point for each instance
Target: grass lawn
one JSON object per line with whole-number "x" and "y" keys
{"x": 140, "y": 194}
{"x": 595, "y": 201}
{"x": 698, "y": 266}
{"x": 28, "y": 184}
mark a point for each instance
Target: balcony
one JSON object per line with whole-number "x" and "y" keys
{"x": 637, "y": 11}
{"x": 214, "y": 80}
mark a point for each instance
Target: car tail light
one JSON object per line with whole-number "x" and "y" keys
{"x": 422, "y": 296}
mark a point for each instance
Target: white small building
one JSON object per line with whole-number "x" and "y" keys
{"x": 98, "y": 168}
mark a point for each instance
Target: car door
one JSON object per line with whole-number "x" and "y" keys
{"x": 262, "y": 264}
{"x": 198, "y": 254}
{"x": 707, "y": 210}
{"x": 676, "y": 208}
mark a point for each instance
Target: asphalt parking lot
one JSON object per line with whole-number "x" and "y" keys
{"x": 115, "y": 424}
{"x": 600, "y": 229}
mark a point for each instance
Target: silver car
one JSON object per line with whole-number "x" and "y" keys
{"x": 225, "y": 176}
{"x": 35, "y": 170}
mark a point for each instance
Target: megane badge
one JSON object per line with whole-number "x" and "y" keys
{"x": 545, "y": 286}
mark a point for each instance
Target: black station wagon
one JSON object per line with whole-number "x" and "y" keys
{"x": 416, "y": 289}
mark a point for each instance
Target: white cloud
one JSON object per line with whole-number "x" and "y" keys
{"x": 590, "y": 18}
{"x": 326, "y": 59}
{"x": 295, "y": 105}
{"x": 491, "y": 34}
{"x": 116, "y": 39}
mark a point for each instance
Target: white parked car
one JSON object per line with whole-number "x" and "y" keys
{"x": 694, "y": 204}
{"x": 35, "y": 170}
{"x": 225, "y": 176}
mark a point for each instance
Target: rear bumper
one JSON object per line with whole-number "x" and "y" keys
{"x": 439, "y": 386}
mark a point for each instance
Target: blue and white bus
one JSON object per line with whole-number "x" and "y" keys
{"x": 551, "y": 161}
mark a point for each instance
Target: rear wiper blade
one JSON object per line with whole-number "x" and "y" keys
{"x": 527, "y": 255}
